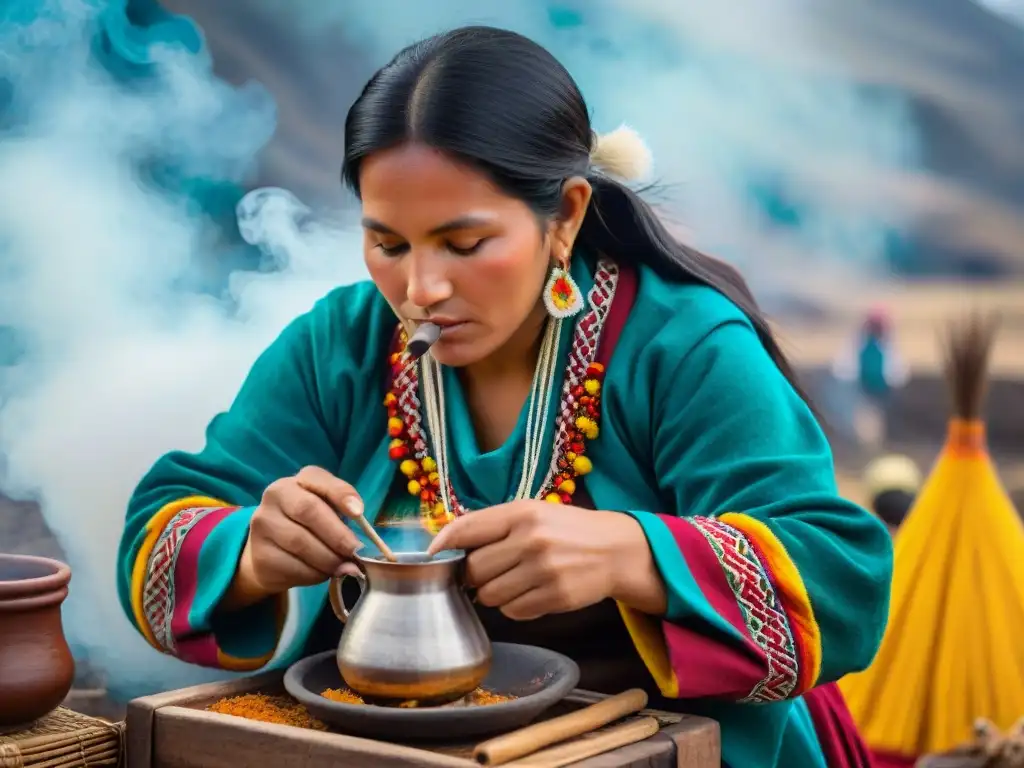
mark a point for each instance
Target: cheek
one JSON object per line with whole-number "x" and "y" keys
{"x": 510, "y": 275}
{"x": 388, "y": 276}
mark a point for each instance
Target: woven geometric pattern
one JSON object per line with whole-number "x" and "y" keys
{"x": 759, "y": 605}
{"x": 158, "y": 593}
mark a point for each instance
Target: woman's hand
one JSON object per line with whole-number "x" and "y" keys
{"x": 532, "y": 558}
{"x": 296, "y": 537}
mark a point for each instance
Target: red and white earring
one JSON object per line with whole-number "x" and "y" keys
{"x": 562, "y": 295}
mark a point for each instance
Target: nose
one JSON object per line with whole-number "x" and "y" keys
{"x": 428, "y": 282}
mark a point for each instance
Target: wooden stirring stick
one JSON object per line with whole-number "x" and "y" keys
{"x": 372, "y": 534}
{"x": 591, "y": 745}
{"x": 364, "y": 525}
{"x": 528, "y": 740}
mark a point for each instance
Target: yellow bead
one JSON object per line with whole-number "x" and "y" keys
{"x": 567, "y": 486}
{"x": 593, "y": 386}
{"x": 587, "y": 426}
{"x": 434, "y": 478}
{"x": 395, "y": 425}
{"x": 414, "y": 488}
{"x": 409, "y": 468}
{"x": 439, "y": 509}
{"x": 553, "y": 498}
{"x": 570, "y": 456}
{"x": 429, "y": 465}
{"x": 396, "y": 443}
{"x": 582, "y": 465}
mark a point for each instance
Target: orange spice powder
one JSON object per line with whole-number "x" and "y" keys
{"x": 481, "y": 697}
{"x": 286, "y": 711}
{"x": 268, "y": 709}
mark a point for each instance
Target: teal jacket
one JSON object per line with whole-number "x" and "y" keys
{"x": 776, "y": 584}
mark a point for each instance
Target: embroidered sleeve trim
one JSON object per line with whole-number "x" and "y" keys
{"x": 152, "y": 531}
{"x": 792, "y": 593}
{"x": 158, "y": 597}
{"x": 763, "y": 614}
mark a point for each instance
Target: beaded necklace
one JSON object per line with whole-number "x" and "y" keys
{"x": 576, "y": 422}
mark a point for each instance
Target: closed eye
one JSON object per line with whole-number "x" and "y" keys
{"x": 467, "y": 251}
{"x": 394, "y": 250}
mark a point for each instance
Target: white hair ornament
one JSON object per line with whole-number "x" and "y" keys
{"x": 622, "y": 153}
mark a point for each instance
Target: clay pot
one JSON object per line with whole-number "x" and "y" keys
{"x": 36, "y": 666}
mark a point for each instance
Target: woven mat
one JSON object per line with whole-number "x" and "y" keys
{"x": 63, "y": 739}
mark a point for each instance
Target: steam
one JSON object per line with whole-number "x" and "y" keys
{"x": 110, "y": 271}
{"x": 125, "y": 361}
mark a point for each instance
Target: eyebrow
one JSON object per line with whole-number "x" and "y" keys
{"x": 463, "y": 222}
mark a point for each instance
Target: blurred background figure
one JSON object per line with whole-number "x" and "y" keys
{"x": 951, "y": 654}
{"x": 872, "y": 366}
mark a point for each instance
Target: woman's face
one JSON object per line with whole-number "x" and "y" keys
{"x": 444, "y": 244}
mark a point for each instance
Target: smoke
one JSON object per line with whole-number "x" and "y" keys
{"x": 1010, "y": 9}
{"x": 746, "y": 121}
{"x": 114, "y": 249}
{"x": 125, "y": 360}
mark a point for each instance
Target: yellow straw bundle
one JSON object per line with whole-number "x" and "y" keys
{"x": 954, "y": 647}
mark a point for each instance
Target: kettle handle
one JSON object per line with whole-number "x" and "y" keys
{"x": 336, "y": 598}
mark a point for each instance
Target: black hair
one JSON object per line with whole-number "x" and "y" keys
{"x": 504, "y": 104}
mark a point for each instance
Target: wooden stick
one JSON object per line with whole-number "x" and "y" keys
{"x": 591, "y": 744}
{"x": 364, "y": 525}
{"x": 528, "y": 740}
{"x": 368, "y": 529}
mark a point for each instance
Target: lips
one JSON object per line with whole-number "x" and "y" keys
{"x": 445, "y": 322}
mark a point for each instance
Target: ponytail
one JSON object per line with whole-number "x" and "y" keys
{"x": 621, "y": 225}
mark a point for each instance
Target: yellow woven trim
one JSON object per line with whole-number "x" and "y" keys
{"x": 649, "y": 639}
{"x": 153, "y": 529}
{"x": 792, "y": 592}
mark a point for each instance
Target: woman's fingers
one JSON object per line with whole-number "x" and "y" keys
{"x": 337, "y": 493}
{"x": 305, "y": 546}
{"x": 314, "y": 514}
{"x": 502, "y": 590}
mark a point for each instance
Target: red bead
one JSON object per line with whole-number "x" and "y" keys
{"x": 425, "y": 495}
{"x": 566, "y": 498}
{"x": 577, "y": 447}
{"x": 578, "y": 391}
{"x": 398, "y": 452}
{"x": 558, "y": 480}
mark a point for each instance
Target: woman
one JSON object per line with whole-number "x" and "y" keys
{"x": 652, "y": 495}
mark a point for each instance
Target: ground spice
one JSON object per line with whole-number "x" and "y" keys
{"x": 342, "y": 696}
{"x": 268, "y": 709}
{"x": 481, "y": 697}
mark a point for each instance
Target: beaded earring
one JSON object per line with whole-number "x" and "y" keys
{"x": 562, "y": 295}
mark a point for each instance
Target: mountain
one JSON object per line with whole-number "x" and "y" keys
{"x": 958, "y": 64}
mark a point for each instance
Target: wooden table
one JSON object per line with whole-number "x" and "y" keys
{"x": 174, "y": 730}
